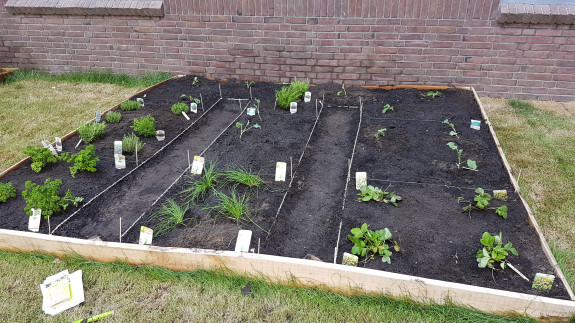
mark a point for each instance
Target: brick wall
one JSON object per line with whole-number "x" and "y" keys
{"x": 359, "y": 42}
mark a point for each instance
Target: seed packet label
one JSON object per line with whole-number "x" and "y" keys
{"x": 185, "y": 115}
{"x": 293, "y": 107}
{"x": 281, "y": 169}
{"x": 146, "y": 235}
{"x": 34, "y": 221}
{"x": 360, "y": 180}
{"x": 62, "y": 291}
{"x": 140, "y": 101}
{"x": 500, "y": 194}
{"x": 98, "y": 116}
{"x": 193, "y": 107}
{"x": 160, "y": 135}
{"x": 120, "y": 161}
{"x": 198, "y": 165}
{"x": 307, "y": 97}
{"x": 58, "y": 144}
{"x": 476, "y": 124}
{"x": 349, "y": 259}
{"x": 243, "y": 241}
{"x": 117, "y": 147}
{"x": 47, "y": 144}
{"x": 543, "y": 281}
{"x": 252, "y": 111}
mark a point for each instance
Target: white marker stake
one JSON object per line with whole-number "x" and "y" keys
{"x": 518, "y": 272}
{"x": 78, "y": 144}
{"x": 360, "y": 180}
{"x": 160, "y": 135}
{"x": 47, "y": 144}
{"x": 120, "y": 161}
{"x": 186, "y": 116}
{"x": 140, "y": 101}
{"x": 58, "y": 144}
{"x": 189, "y": 164}
{"x": 281, "y": 168}
{"x": 34, "y": 221}
{"x": 202, "y": 102}
{"x": 197, "y": 165}
{"x": 307, "y": 97}
{"x": 290, "y": 168}
{"x": 146, "y": 235}
{"x": 243, "y": 241}
{"x": 193, "y": 107}
{"x": 293, "y": 107}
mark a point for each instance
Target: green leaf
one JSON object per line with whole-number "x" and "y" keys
{"x": 479, "y": 191}
{"x": 386, "y": 259}
{"x": 502, "y": 211}
{"x": 239, "y": 124}
{"x": 257, "y": 126}
{"x": 356, "y": 232}
{"x": 452, "y": 145}
{"x": 483, "y": 262}
{"x": 471, "y": 164}
{"x": 487, "y": 239}
{"x": 453, "y": 133}
{"x": 446, "y": 121}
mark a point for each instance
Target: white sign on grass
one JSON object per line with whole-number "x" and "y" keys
{"x": 62, "y": 291}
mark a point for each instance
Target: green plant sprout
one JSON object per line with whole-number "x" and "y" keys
{"x": 493, "y": 253}
{"x": 239, "y": 175}
{"x": 433, "y": 94}
{"x": 380, "y": 132}
{"x": 92, "y": 131}
{"x": 113, "y": 117}
{"x": 452, "y": 133}
{"x": 199, "y": 189}
{"x": 46, "y": 197}
{"x": 191, "y": 98}
{"x": 195, "y": 82}
{"x": 371, "y": 193}
{"x": 386, "y": 108}
{"x": 7, "y": 191}
{"x": 170, "y": 215}
{"x": 246, "y": 127}
{"x": 471, "y": 164}
{"x": 249, "y": 84}
{"x": 343, "y": 91}
{"x": 370, "y": 243}
{"x": 145, "y": 126}
{"x": 131, "y": 143}
{"x": 83, "y": 160}
{"x": 178, "y": 108}
{"x": 233, "y": 206}
{"x": 40, "y": 157}
{"x": 257, "y": 106}
{"x": 130, "y": 105}
{"x": 482, "y": 200}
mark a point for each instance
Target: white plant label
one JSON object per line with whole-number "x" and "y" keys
{"x": 307, "y": 97}
{"x": 58, "y": 144}
{"x": 476, "y": 124}
{"x": 243, "y": 241}
{"x": 160, "y": 135}
{"x": 349, "y": 259}
{"x": 47, "y": 144}
{"x": 98, "y": 116}
{"x": 62, "y": 291}
{"x": 185, "y": 115}
{"x": 117, "y": 147}
{"x": 293, "y": 107}
{"x": 252, "y": 111}
{"x": 360, "y": 180}
{"x": 281, "y": 168}
{"x": 500, "y": 194}
{"x": 198, "y": 165}
{"x": 193, "y": 107}
{"x": 140, "y": 101}
{"x": 120, "y": 161}
{"x": 34, "y": 221}
{"x": 146, "y": 235}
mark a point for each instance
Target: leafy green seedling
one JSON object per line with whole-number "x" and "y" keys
{"x": 178, "y": 108}
{"x": 46, "y": 197}
{"x": 195, "y": 82}
{"x": 170, "y": 215}
{"x": 246, "y": 127}
{"x": 40, "y": 157}
{"x": 145, "y": 126}
{"x": 433, "y": 94}
{"x": 83, "y": 161}
{"x": 92, "y": 131}
{"x": 342, "y": 91}
{"x": 471, "y": 164}
{"x": 370, "y": 243}
{"x": 7, "y": 191}
{"x": 386, "y": 108}
{"x": 249, "y": 84}
{"x": 380, "y": 132}
{"x": 113, "y": 117}
{"x": 452, "y": 133}
{"x": 371, "y": 193}
{"x": 257, "y": 106}
{"x": 502, "y": 211}
{"x": 191, "y": 98}
{"x": 482, "y": 200}
{"x": 494, "y": 253}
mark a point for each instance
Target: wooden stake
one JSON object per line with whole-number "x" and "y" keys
{"x": 251, "y": 98}
{"x": 258, "y": 246}
{"x": 220, "y": 86}
{"x": 290, "y": 168}
{"x": 202, "y": 102}
{"x": 189, "y": 164}
{"x": 49, "y": 231}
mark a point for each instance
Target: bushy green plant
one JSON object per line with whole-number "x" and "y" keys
{"x": 370, "y": 193}
{"x": 92, "y": 131}
{"x": 131, "y": 142}
{"x": 178, "y": 108}
{"x": 113, "y": 117}
{"x": 83, "y": 161}
{"x": 145, "y": 126}
{"x": 199, "y": 189}
{"x": 433, "y": 94}
{"x": 242, "y": 176}
{"x": 482, "y": 200}
{"x": 367, "y": 242}
{"x": 7, "y": 191}
{"x": 233, "y": 206}
{"x": 40, "y": 157}
{"x": 130, "y": 105}
{"x": 170, "y": 215}
{"x": 292, "y": 93}
{"x": 46, "y": 197}
{"x": 494, "y": 252}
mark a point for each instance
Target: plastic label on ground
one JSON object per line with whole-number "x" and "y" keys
{"x": 62, "y": 291}
{"x": 500, "y": 194}
{"x": 117, "y": 147}
{"x": 244, "y": 240}
{"x": 140, "y": 101}
{"x": 349, "y": 259}
{"x": 193, "y": 107}
{"x": 160, "y": 135}
{"x": 251, "y": 111}
{"x": 293, "y": 107}
{"x": 34, "y": 221}
{"x": 307, "y": 97}
{"x": 360, "y": 180}
{"x": 197, "y": 165}
{"x": 58, "y": 141}
{"x": 146, "y": 235}
{"x": 543, "y": 281}
{"x": 476, "y": 124}
{"x": 47, "y": 144}
{"x": 120, "y": 161}
{"x": 281, "y": 168}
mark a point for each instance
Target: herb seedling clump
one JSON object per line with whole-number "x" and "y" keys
{"x": 233, "y": 206}
{"x": 46, "y": 197}
{"x": 170, "y": 215}
{"x": 494, "y": 253}
{"x": 178, "y": 108}
{"x": 83, "y": 161}
{"x": 91, "y": 131}
{"x": 199, "y": 189}
{"x": 242, "y": 176}
{"x": 292, "y": 93}
{"x": 130, "y": 105}
{"x": 370, "y": 243}
{"x": 113, "y": 117}
{"x": 371, "y": 193}
{"x": 40, "y": 157}
{"x": 131, "y": 142}
{"x": 145, "y": 126}
{"x": 7, "y": 191}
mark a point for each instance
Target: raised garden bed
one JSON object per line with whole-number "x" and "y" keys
{"x": 302, "y": 216}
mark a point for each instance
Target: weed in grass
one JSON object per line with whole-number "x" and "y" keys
{"x": 7, "y": 191}
{"x": 113, "y": 117}
{"x": 292, "y": 93}
{"x": 145, "y": 126}
{"x": 233, "y": 206}
{"x": 198, "y": 190}
{"x": 131, "y": 142}
{"x": 40, "y": 157}
{"x": 91, "y": 131}
{"x": 178, "y": 108}
{"x": 130, "y": 105}
{"x": 242, "y": 176}
{"x": 170, "y": 215}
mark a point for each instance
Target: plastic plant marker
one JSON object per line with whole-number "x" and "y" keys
{"x": 476, "y": 124}
{"x": 281, "y": 168}
{"x": 120, "y": 161}
{"x": 146, "y": 235}
{"x": 140, "y": 101}
{"x": 58, "y": 141}
{"x": 186, "y": 116}
{"x": 193, "y": 107}
{"x": 117, "y": 147}
{"x": 500, "y": 194}
{"x": 243, "y": 241}
{"x": 34, "y": 221}
{"x": 307, "y": 97}
{"x": 198, "y": 165}
{"x": 360, "y": 180}
{"x": 47, "y": 144}
{"x": 160, "y": 135}
{"x": 98, "y": 116}
{"x": 543, "y": 281}
{"x": 349, "y": 259}
{"x": 293, "y": 107}
{"x": 62, "y": 291}
{"x": 251, "y": 111}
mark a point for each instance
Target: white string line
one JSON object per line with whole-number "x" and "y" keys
{"x": 352, "y": 154}
{"x": 187, "y": 168}
{"x": 135, "y": 168}
{"x": 431, "y": 184}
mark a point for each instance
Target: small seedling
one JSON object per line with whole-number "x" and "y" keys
{"x": 380, "y": 132}
{"x": 386, "y": 108}
{"x": 178, "y": 108}
{"x": 191, "y": 98}
{"x": 493, "y": 253}
{"x": 113, "y": 117}
{"x": 249, "y": 84}
{"x": 370, "y": 243}
{"x": 83, "y": 160}
{"x": 46, "y": 197}
{"x": 195, "y": 82}
{"x": 170, "y": 215}
{"x": 91, "y": 131}
{"x": 257, "y": 106}
{"x": 242, "y": 176}
{"x": 131, "y": 142}
{"x": 452, "y": 133}
{"x": 40, "y": 157}
{"x": 471, "y": 164}
{"x": 130, "y": 105}
{"x": 482, "y": 200}
{"x": 199, "y": 189}
{"x": 7, "y": 191}
{"x": 371, "y": 193}
{"x": 433, "y": 94}
{"x": 342, "y": 91}
{"x": 145, "y": 126}
{"x": 246, "y": 127}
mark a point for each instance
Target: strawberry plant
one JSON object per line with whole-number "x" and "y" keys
{"x": 7, "y": 191}
{"x": 471, "y": 164}
{"x": 46, "y": 197}
{"x": 83, "y": 161}
{"x": 40, "y": 157}
{"x": 452, "y": 133}
{"x": 145, "y": 126}
{"x": 494, "y": 253}
{"x": 370, "y": 243}
{"x": 482, "y": 200}
{"x": 371, "y": 193}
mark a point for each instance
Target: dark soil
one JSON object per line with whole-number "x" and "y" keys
{"x": 413, "y": 160}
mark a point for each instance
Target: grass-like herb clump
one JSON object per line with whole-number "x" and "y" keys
{"x": 199, "y": 189}
{"x": 130, "y": 105}
{"x": 145, "y": 126}
{"x": 292, "y": 93}
{"x": 242, "y": 176}
{"x": 113, "y": 117}
{"x": 7, "y": 191}
{"x": 91, "y": 131}
{"x": 169, "y": 215}
{"x": 233, "y": 206}
{"x": 131, "y": 142}
{"x": 178, "y": 108}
